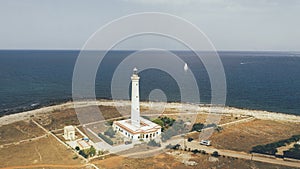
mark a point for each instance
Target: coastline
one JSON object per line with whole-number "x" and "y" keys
{"x": 199, "y": 108}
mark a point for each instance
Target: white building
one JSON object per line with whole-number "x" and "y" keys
{"x": 137, "y": 128}
{"x": 69, "y": 133}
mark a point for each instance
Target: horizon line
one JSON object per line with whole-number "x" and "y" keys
{"x": 178, "y": 50}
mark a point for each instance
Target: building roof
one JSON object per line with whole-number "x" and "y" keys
{"x": 69, "y": 128}
{"x": 146, "y": 126}
{"x": 83, "y": 144}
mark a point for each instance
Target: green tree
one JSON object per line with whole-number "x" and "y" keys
{"x": 159, "y": 122}
{"x": 91, "y": 151}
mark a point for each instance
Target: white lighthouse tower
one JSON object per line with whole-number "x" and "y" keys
{"x": 135, "y": 99}
{"x": 137, "y": 128}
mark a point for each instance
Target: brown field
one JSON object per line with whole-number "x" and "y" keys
{"x": 239, "y": 137}
{"x": 165, "y": 161}
{"x": 60, "y": 118}
{"x": 42, "y": 151}
{"x": 243, "y": 136}
{"x": 19, "y": 131}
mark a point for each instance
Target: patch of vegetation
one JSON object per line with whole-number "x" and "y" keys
{"x": 164, "y": 122}
{"x": 153, "y": 143}
{"x": 195, "y": 151}
{"x": 213, "y": 125}
{"x": 293, "y": 152}
{"x": 197, "y": 127}
{"x": 106, "y": 139}
{"x": 271, "y": 149}
{"x": 100, "y": 152}
{"x": 174, "y": 147}
{"x": 110, "y": 132}
{"x": 177, "y": 128}
{"x": 218, "y": 129}
{"x": 88, "y": 152}
{"x": 215, "y": 154}
{"x": 159, "y": 122}
{"x": 109, "y": 123}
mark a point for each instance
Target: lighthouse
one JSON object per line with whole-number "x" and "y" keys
{"x": 137, "y": 128}
{"x": 135, "y": 99}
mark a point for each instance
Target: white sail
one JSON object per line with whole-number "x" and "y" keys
{"x": 186, "y": 68}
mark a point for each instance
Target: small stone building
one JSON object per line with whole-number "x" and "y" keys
{"x": 69, "y": 132}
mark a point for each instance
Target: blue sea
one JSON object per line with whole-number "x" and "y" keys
{"x": 31, "y": 79}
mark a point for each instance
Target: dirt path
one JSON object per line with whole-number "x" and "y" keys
{"x": 52, "y": 166}
{"x": 24, "y": 141}
{"x": 48, "y": 165}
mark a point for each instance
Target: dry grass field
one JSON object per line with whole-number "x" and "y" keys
{"x": 166, "y": 161}
{"x": 243, "y": 136}
{"x": 42, "y": 151}
{"x": 46, "y": 150}
{"x": 18, "y": 131}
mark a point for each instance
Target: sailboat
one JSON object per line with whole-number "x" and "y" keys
{"x": 186, "y": 68}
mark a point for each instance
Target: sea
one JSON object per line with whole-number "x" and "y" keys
{"x": 31, "y": 79}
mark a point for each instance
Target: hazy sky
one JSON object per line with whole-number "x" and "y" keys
{"x": 230, "y": 24}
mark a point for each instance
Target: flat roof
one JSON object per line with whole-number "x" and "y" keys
{"x": 69, "y": 128}
{"x": 83, "y": 144}
{"x": 146, "y": 126}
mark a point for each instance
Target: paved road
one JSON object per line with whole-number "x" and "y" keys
{"x": 242, "y": 155}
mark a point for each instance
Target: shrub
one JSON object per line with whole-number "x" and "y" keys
{"x": 100, "y": 152}
{"x": 110, "y": 132}
{"x": 218, "y": 128}
{"x": 293, "y": 152}
{"x": 83, "y": 154}
{"x": 91, "y": 151}
{"x": 106, "y": 139}
{"x": 215, "y": 154}
{"x": 195, "y": 151}
{"x": 153, "y": 143}
{"x": 197, "y": 127}
{"x": 159, "y": 122}
{"x": 271, "y": 149}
